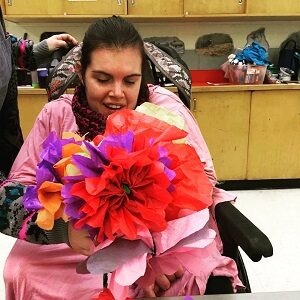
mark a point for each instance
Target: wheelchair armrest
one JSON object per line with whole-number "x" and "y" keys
{"x": 242, "y": 231}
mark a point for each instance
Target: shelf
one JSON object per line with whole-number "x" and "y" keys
{"x": 87, "y": 18}
{"x": 28, "y": 90}
{"x": 156, "y": 19}
{"x": 205, "y": 88}
{"x": 244, "y": 87}
{"x": 241, "y": 17}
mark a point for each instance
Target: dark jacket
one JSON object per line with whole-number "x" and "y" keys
{"x": 11, "y": 138}
{"x": 12, "y": 212}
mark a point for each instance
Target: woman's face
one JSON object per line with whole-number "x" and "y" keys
{"x": 113, "y": 79}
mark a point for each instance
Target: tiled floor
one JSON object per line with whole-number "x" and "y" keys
{"x": 5, "y": 245}
{"x": 276, "y": 212}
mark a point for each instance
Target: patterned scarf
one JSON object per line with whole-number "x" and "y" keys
{"x": 89, "y": 122}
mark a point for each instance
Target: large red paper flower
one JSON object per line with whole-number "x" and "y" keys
{"x": 144, "y": 180}
{"x": 105, "y": 294}
{"x": 131, "y": 192}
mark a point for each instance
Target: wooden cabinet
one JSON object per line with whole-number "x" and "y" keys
{"x": 30, "y": 104}
{"x": 66, "y": 7}
{"x": 223, "y": 118}
{"x": 155, "y": 7}
{"x": 2, "y": 3}
{"x": 153, "y": 10}
{"x": 95, "y": 7}
{"x": 274, "y": 136}
{"x": 34, "y": 7}
{"x": 271, "y": 7}
{"x": 252, "y": 132}
{"x": 214, "y": 7}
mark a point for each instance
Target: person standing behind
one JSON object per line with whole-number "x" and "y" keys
{"x": 27, "y": 55}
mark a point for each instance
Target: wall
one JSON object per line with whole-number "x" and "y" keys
{"x": 276, "y": 32}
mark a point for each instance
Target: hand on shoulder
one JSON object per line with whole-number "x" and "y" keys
{"x": 60, "y": 40}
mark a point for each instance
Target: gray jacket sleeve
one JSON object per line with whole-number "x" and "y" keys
{"x": 15, "y": 221}
{"x": 41, "y": 53}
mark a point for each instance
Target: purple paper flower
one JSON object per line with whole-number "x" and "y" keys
{"x": 51, "y": 154}
{"x": 30, "y": 199}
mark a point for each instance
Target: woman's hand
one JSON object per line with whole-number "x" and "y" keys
{"x": 60, "y": 40}
{"x": 162, "y": 283}
{"x": 80, "y": 241}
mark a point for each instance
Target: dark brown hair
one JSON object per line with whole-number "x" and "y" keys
{"x": 114, "y": 32}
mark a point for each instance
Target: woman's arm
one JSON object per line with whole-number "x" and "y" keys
{"x": 14, "y": 219}
{"x": 43, "y": 50}
{"x": 16, "y": 222}
{"x": 29, "y": 55}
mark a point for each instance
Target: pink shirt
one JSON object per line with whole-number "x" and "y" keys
{"x": 59, "y": 261}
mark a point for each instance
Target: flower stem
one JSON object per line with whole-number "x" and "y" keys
{"x": 105, "y": 280}
{"x": 154, "y": 249}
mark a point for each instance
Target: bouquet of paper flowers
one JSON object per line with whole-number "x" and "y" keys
{"x": 139, "y": 189}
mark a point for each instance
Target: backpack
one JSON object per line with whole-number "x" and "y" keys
{"x": 288, "y": 57}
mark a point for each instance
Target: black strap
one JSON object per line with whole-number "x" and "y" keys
{"x": 290, "y": 41}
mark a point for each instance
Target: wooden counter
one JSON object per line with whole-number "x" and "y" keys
{"x": 31, "y": 102}
{"x": 206, "y": 88}
{"x": 252, "y": 131}
{"x": 253, "y": 87}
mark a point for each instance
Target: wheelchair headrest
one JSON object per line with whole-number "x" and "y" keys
{"x": 176, "y": 72}
{"x": 64, "y": 75}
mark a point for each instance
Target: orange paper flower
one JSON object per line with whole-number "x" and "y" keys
{"x": 51, "y": 200}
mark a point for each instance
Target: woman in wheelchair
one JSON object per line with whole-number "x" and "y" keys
{"x": 42, "y": 263}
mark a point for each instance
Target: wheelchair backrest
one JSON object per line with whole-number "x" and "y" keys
{"x": 64, "y": 76}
